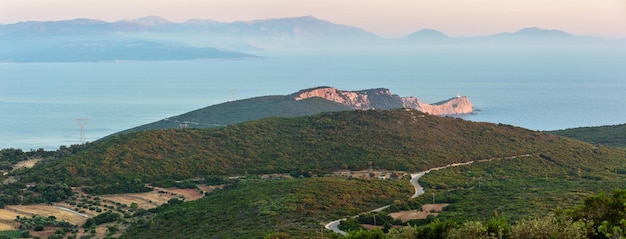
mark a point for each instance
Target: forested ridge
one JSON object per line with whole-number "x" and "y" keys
{"x": 389, "y": 139}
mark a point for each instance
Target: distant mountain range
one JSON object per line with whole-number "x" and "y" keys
{"x": 96, "y": 40}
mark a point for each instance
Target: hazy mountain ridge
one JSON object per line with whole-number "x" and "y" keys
{"x": 278, "y": 33}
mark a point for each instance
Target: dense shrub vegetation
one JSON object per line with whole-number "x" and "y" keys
{"x": 307, "y": 146}
{"x": 254, "y": 208}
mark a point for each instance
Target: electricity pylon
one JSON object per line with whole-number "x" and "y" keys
{"x": 82, "y": 122}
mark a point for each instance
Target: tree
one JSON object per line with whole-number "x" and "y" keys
{"x": 606, "y": 212}
{"x": 112, "y": 229}
{"x": 549, "y": 227}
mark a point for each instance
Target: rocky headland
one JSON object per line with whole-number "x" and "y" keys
{"x": 383, "y": 99}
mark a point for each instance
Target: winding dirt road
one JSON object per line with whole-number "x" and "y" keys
{"x": 419, "y": 190}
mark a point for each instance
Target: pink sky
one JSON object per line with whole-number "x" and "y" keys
{"x": 387, "y": 18}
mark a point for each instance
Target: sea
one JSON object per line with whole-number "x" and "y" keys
{"x": 538, "y": 87}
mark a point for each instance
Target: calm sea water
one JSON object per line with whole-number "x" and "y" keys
{"x": 540, "y": 88}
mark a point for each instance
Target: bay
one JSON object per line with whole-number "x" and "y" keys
{"x": 535, "y": 87}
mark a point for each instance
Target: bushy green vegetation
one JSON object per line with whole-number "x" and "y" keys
{"x": 255, "y": 208}
{"x": 39, "y": 221}
{"x": 600, "y": 216}
{"x": 101, "y": 219}
{"x": 47, "y": 189}
{"x": 18, "y": 193}
{"x": 356, "y": 140}
{"x": 534, "y": 185}
{"x": 14, "y": 234}
{"x": 612, "y": 135}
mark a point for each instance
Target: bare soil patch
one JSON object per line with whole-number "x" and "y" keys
{"x": 209, "y": 189}
{"x": 143, "y": 200}
{"x": 153, "y": 198}
{"x": 427, "y": 209}
{"x": 27, "y": 163}
{"x": 188, "y": 194}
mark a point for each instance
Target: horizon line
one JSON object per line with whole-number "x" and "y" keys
{"x": 310, "y": 16}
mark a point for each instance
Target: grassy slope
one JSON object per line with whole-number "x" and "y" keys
{"x": 245, "y": 110}
{"x": 394, "y": 140}
{"x": 613, "y": 135}
{"x": 253, "y": 209}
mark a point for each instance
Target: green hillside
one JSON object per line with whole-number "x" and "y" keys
{"x": 528, "y": 186}
{"x": 522, "y": 172}
{"x": 244, "y": 110}
{"x": 612, "y": 135}
{"x": 253, "y": 209}
{"x": 356, "y": 140}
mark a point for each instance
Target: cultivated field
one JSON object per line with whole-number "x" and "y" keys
{"x": 153, "y": 198}
{"x": 188, "y": 194}
{"x": 49, "y": 210}
{"x": 7, "y": 219}
{"x": 427, "y": 209}
{"x": 146, "y": 200}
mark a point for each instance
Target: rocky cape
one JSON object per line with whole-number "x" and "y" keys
{"x": 382, "y": 98}
{"x": 304, "y": 103}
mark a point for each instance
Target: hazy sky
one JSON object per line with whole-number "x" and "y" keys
{"x": 387, "y": 18}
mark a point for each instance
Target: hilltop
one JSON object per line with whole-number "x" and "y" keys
{"x": 304, "y": 103}
{"x": 609, "y": 135}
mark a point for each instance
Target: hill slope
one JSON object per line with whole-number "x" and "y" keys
{"x": 398, "y": 139}
{"x": 257, "y": 208}
{"x": 613, "y": 135}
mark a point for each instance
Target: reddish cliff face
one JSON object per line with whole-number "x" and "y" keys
{"x": 455, "y": 106}
{"x": 349, "y": 98}
{"x": 383, "y": 99}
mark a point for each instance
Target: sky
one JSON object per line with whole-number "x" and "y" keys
{"x": 386, "y": 18}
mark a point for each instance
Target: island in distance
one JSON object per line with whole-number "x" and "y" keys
{"x": 305, "y": 103}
